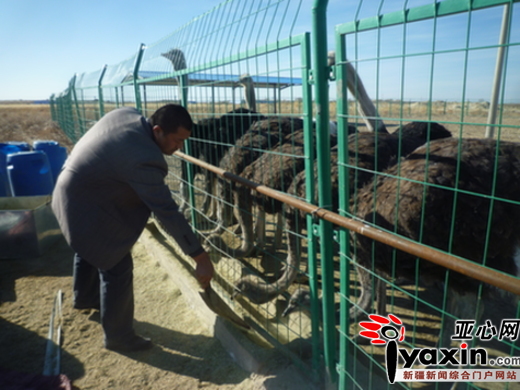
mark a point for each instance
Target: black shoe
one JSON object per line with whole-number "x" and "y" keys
{"x": 136, "y": 343}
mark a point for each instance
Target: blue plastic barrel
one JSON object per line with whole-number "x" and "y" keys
{"x": 29, "y": 173}
{"x": 23, "y": 146}
{"x": 4, "y": 184}
{"x": 55, "y": 153}
{"x": 6, "y": 149}
{"x": 5, "y": 188}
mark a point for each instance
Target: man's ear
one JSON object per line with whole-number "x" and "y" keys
{"x": 157, "y": 130}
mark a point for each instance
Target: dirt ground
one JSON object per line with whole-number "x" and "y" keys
{"x": 185, "y": 355}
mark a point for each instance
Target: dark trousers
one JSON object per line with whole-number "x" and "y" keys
{"x": 112, "y": 290}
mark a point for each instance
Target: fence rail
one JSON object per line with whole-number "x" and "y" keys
{"x": 321, "y": 237}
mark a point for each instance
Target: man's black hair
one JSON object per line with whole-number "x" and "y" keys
{"x": 170, "y": 117}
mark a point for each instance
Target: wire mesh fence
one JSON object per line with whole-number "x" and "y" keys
{"x": 425, "y": 50}
{"x": 403, "y": 170}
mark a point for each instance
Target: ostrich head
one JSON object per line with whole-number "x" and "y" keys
{"x": 331, "y": 58}
{"x": 249, "y": 91}
{"x": 176, "y": 56}
{"x": 299, "y": 300}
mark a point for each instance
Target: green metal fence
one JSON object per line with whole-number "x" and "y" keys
{"x": 444, "y": 43}
{"x": 262, "y": 86}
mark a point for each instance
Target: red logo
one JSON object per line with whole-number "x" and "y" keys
{"x": 381, "y": 328}
{"x": 381, "y": 331}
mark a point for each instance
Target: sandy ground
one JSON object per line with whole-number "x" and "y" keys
{"x": 185, "y": 355}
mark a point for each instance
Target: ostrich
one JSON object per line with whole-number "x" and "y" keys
{"x": 177, "y": 58}
{"x": 262, "y": 135}
{"x": 246, "y": 81}
{"x": 211, "y": 136}
{"x": 249, "y": 285}
{"x": 261, "y": 170}
{"x": 209, "y": 141}
{"x": 300, "y": 299}
{"x": 368, "y": 152}
{"x": 369, "y": 112}
{"x": 257, "y": 290}
{"x": 276, "y": 168}
{"x": 437, "y": 216}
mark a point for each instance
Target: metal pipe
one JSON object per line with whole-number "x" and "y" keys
{"x": 52, "y": 360}
{"x": 504, "y": 32}
{"x": 457, "y": 264}
{"x": 137, "y": 65}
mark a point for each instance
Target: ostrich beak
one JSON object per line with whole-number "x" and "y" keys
{"x": 288, "y": 310}
{"x": 236, "y": 292}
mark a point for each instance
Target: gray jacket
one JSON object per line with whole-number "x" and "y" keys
{"x": 111, "y": 182}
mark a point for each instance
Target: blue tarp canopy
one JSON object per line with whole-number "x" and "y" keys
{"x": 208, "y": 79}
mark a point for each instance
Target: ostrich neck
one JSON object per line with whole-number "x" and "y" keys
{"x": 368, "y": 110}
{"x": 285, "y": 280}
{"x": 249, "y": 95}
{"x": 261, "y": 292}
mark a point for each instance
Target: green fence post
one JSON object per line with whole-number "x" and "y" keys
{"x": 309, "y": 187}
{"x": 72, "y": 91}
{"x": 52, "y": 106}
{"x": 83, "y": 111}
{"x": 100, "y": 92}
{"x": 183, "y": 87}
{"x": 343, "y": 179}
{"x": 321, "y": 73}
{"x": 137, "y": 91}
{"x": 116, "y": 93}
{"x": 68, "y": 115}
{"x": 59, "y": 112}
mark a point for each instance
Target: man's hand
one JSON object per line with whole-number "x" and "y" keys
{"x": 204, "y": 270}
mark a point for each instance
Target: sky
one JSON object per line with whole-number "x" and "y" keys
{"x": 45, "y": 43}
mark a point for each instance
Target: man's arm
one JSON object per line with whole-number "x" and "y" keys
{"x": 147, "y": 179}
{"x": 204, "y": 270}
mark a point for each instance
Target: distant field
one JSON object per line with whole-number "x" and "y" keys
{"x": 465, "y": 120}
{"x": 29, "y": 122}
{"x": 26, "y": 122}
{"x": 468, "y": 120}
